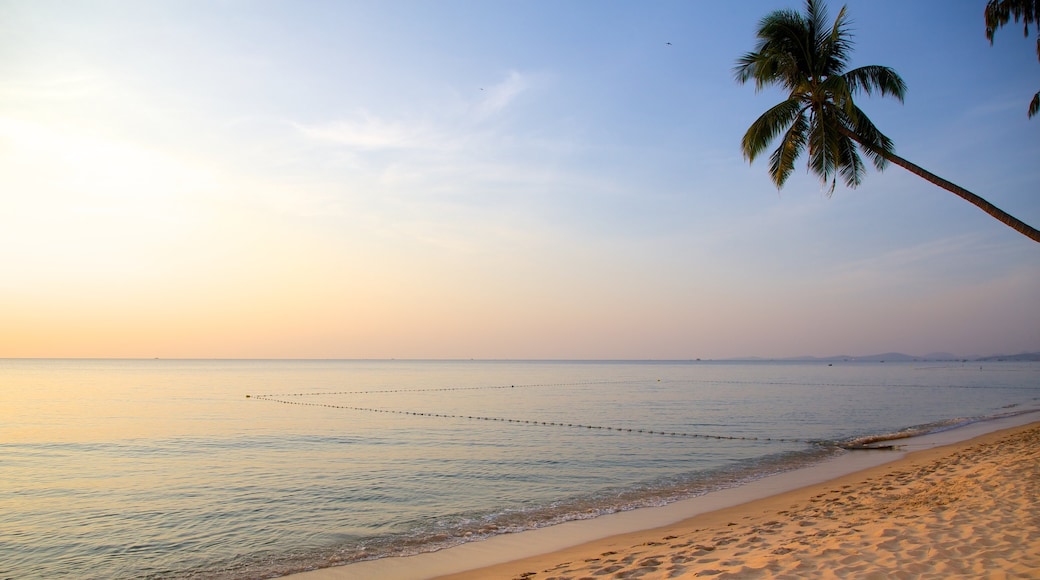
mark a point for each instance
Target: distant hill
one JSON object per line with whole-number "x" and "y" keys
{"x": 935, "y": 356}
{"x": 883, "y": 357}
{"x": 946, "y": 356}
{"x": 887, "y": 357}
{"x": 1025, "y": 356}
{"x": 901, "y": 357}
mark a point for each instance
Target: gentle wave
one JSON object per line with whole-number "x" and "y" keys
{"x": 164, "y": 469}
{"x": 933, "y": 427}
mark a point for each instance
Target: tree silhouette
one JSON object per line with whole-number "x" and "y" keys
{"x": 808, "y": 58}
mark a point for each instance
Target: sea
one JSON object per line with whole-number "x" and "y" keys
{"x": 246, "y": 469}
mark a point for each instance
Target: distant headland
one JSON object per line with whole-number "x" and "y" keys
{"x": 900, "y": 357}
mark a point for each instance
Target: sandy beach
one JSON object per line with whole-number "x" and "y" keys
{"x": 966, "y": 510}
{"x": 969, "y": 510}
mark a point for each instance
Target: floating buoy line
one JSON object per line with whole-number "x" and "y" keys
{"x": 300, "y": 400}
{"x": 530, "y": 422}
{"x": 704, "y": 381}
{"x": 443, "y": 389}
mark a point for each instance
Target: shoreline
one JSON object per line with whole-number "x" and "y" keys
{"x": 572, "y": 549}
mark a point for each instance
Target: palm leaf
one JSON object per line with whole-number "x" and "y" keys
{"x": 873, "y": 142}
{"x": 851, "y": 165}
{"x": 839, "y": 94}
{"x": 876, "y": 78}
{"x": 776, "y": 59}
{"x": 774, "y": 121}
{"x": 833, "y": 46}
{"x": 822, "y": 150}
{"x": 781, "y": 162}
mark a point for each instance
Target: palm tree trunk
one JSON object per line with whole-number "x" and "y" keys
{"x": 1001, "y": 215}
{"x": 1006, "y": 218}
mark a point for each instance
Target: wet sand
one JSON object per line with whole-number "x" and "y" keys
{"x": 970, "y": 510}
{"x": 967, "y": 510}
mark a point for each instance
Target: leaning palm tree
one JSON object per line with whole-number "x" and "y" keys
{"x": 808, "y": 58}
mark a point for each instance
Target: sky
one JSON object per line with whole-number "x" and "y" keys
{"x": 513, "y": 179}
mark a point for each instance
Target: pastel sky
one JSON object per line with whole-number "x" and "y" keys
{"x": 475, "y": 179}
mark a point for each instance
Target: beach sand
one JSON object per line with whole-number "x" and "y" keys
{"x": 964, "y": 510}
{"x": 969, "y": 510}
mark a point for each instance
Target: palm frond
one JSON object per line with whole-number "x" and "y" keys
{"x": 839, "y": 94}
{"x": 1034, "y": 105}
{"x": 833, "y": 47}
{"x": 840, "y": 41}
{"x": 850, "y": 165}
{"x": 822, "y": 149}
{"x": 775, "y": 60}
{"x": 770, "y": 124}
{"x": 781, "y": 162}
{"x": 872, "y": 78}
{"x": 815, "y": 18}
{"x": 873, "y": 142}
{"x": 1000, "y": 12}
{"x": 765, "y": 69}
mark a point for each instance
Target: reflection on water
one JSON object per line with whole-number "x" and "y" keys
{"x": 166, "y": 468}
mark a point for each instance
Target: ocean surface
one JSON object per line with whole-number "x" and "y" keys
{"x": 257, "y": 468}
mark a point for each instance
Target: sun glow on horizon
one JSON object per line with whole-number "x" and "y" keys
{"x": 186, "y": 183}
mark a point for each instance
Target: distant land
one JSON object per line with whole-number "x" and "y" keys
{"x": 1030, "y": 356}
{"x": 935, "y": 356}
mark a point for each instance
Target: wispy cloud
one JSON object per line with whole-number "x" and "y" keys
{"x": 369, "y": 132}
{"x": 498, "y": 97}
{"x": 929, "y": 259}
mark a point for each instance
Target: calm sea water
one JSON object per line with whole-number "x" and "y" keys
{"x": 252, "y": 469}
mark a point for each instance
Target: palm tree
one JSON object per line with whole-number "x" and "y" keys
{"x": 808, "y": 58}
{"x": 1000, "y": 12}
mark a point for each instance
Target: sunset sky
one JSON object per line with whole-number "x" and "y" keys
{"x": 475, "y": 179}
